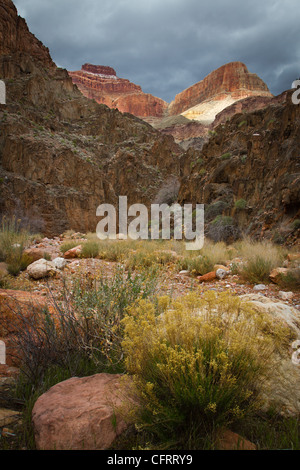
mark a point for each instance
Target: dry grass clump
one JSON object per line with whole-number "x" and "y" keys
{"x": 13, "y": 240}
{"x": 203, "y": 261}
{"x": 260, "y": 258}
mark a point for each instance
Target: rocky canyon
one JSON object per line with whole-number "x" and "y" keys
{"x": 62, "y": 154}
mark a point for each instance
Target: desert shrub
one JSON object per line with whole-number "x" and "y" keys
{"x": 90, "y": 249}
{"x": 81, "y": 331}
{"x": 198, "y": 363}
{"x": 241, "y": 124}
{"x": 3, "y": 274}
{"x": 144, "y": 258}
{"x": 260, "y": 259}
{"x": 198, "y": 265}
{"x": 240, "y": 204}
{"x": 13, "y": 240}
{"x": 111, "y": 250}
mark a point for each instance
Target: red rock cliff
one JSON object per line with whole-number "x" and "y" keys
{"x": 231, "y": 79}
{"x": 16, "y": 37}
{"x": 102, "y": 84}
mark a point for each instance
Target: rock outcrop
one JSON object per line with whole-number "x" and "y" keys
{"x": 220, "y": 89}
{"x": 62, "y": 155}
{"x": 102, "y": 84}
{"x": 252, "y": 157}
{"x": 201, "y": 102}
{"x": 15, "y": 36}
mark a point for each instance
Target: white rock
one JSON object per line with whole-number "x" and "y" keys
{"x": 221, "y": 273}
{"x": 59, "y": 263}
{"x": 296, "y": 354}
{"x": 286, "y": 295}
{"x": 259, "y": 287}
{"x": 41, "y": 268}
{"x": 283, "y": 386}
{"x": 288, "y": 314}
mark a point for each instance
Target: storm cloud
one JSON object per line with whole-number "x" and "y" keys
{"x": 166, "y": 46}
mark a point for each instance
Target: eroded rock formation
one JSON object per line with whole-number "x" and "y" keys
{"x": 15, "y": 36}
{"x": 252, "y": 157}
{"x": 219, "y": 89}
{"x": 102, "y": 84}
{"x": 62, "y": 155}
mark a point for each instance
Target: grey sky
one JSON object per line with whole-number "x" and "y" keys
{"x": 166, "y": 46}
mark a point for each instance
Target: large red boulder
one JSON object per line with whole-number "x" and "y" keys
{"x": 80, "y": 414}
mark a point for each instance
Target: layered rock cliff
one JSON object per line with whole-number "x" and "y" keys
{"x": 219, "y": 89}
{"x": 102, "y": 84}
{"x": 202, "y": 101}
{"x": 62, "y": 155}
{"x": 254, "y": 158}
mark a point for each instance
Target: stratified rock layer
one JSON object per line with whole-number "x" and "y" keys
{"x": 101, "y": 84}
{"x": 219, "y": 89}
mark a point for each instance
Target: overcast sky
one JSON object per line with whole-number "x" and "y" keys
{"x": 166, "y": 46}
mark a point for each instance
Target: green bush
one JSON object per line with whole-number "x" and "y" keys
{"x": 198, "y": 362}
{"x": 240, "y": 204}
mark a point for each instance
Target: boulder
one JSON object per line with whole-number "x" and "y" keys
{"x": 293, "y": 257}
{"x": 286, "y": 313}
{"x": 286, "y": 295}
{"x": 73, "y": 253}
{"x": 221, "y": 273}
{"x": 59, "y": 263}
{"x": 259, "y": 287}
{"x": 15, "y": 308}
{"x": 80, "y": 414}
{"x": 41, "y": 269}
{"x": 228, "y": 440}
{"x": 34, "y": 254}
{"x": 283, "y": 387}
{"x": 207, "y": 277}
{"x": 276, "y": 274}
{"x": 220, "y": 266}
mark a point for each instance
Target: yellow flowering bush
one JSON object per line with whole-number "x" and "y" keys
{"x": 198, "y": 361}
